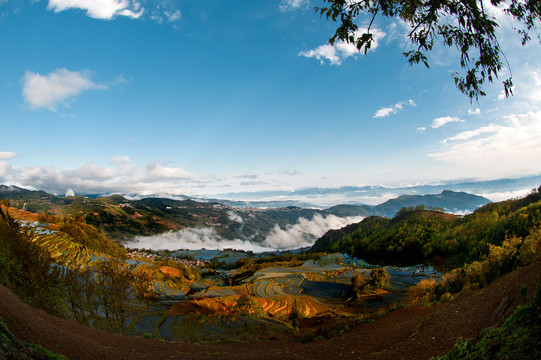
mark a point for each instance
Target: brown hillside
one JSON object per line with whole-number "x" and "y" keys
{"x": 407, "y": 333}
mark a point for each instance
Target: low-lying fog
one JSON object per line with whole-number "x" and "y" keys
{"x": 302, "y": 234}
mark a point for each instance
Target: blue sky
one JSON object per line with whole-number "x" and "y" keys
{"x": 213, "y": 97}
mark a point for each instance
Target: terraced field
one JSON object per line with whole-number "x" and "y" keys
{"x": 65, "y": 251}
{"x": 310, "y": 290}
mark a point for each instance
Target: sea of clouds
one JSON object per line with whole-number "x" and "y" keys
{"x": 301, "y": 234}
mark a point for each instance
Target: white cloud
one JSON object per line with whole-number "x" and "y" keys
{"x": 421, "y": 130}
{"x": 386, "y": 111}
{"x": 5, "y": 168}
{"x": 322, "y": 52}
{"x": 465, "y": 135}
{"x": 47, "y": 91}
{"x": 100, "y": 9}
{"x": 91, "y": 171}
{"x": 6, "y": 155}
{"x": 121, "y": 177}
{"x": 442, "y": 121}
{"x": 157, "y": 171}
{"x": 341, "y": 50}
{"x": 287, "y": 5}
{"x": 193, "y": 239}
{"x": 233, "y": 216}
{"x": 120, "y": 160}
{"x": 511, "y": 149}
{"x": 305, "y": 232}
{"x": 475, "y": 111}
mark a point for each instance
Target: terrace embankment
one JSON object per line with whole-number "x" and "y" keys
{"x": 407, "y": 333}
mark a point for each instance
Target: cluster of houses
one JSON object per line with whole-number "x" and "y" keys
{"x": 151, "y": 256}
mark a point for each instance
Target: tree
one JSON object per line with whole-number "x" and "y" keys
{"x": 358, "y": 285}
{"x": 246, "y": 306}
{"x": 121, "y": 290}
{"x": 464, "y": 24}
{"x": 296, "y": 313}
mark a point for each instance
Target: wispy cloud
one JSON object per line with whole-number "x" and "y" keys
{"x": 465, "y": 135}
{"x": 47, "y": 91}
{"x": 421, "y": 130}
{"x": 442, "y": 121}
{"x": 173, "y": 16}
{"x": 100, "y": 9}
{"x": 510, "y": 149}
{"x": 125, "y": 159}
{"x": 340, "y": 51}
{"x": 247, "y": 176}
{"x": 386, "y": 111}
{"x": 287, "y": 5}
{"x": 170, "y": 16}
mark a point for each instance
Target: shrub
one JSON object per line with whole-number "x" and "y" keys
{"x": 359, "y": 284}
{"x": 379, "y": 278}
{"x": 529, "y": 249}
{"x": 452, "y": 282}
{"x": 423, "y": 292}
{"x": 246, "y": 306}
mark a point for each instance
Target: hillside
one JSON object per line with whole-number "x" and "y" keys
{"x": 122, "y": 219}
{"x": 417, "y": 234}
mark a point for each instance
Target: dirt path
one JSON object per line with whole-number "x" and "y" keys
{"x": 407, "y": 333}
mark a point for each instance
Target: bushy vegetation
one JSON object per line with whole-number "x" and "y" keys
{"x": 415, "y": 235}
{"x": 247, "y": 307}
{"x": 513, "y": 253}
{"x": 379, "y": 278}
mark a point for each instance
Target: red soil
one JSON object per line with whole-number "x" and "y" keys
{"x": 407, "y": 333}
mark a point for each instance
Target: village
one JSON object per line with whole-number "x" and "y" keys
{"x": 156, "y": 257}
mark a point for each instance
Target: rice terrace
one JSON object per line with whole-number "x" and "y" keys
{"x": 270, "y": 179}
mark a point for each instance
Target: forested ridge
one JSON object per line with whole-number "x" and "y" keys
{"x": 418, "y": 234}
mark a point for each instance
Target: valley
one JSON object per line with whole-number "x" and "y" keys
{"x": 416, "y": 262}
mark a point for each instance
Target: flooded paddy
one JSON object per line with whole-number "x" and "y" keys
{"x": 315, "y": 287}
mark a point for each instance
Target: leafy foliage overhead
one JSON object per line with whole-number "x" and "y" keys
{"x": 464, "y": 24}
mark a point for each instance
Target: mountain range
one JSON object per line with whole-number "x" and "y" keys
{"x": 123, "y": 219}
